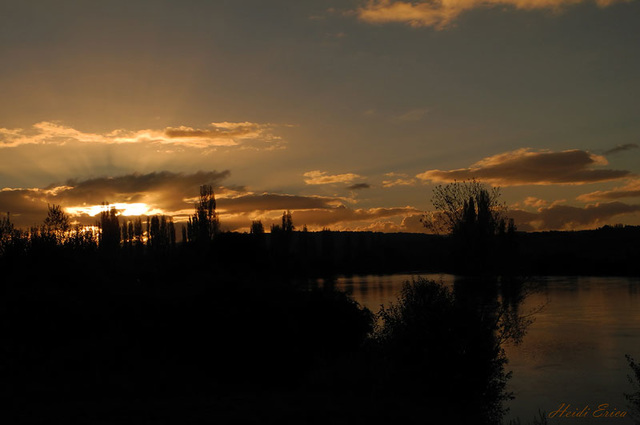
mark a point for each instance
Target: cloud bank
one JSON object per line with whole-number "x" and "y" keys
{"x": 441, "y": 13}
{"x": 174, "y": 194}
{"x": 630, "y": 190}
{"x": 221, "y": 134}
{"x": 161, "y": 191}
{"x": 565, "y": 217}
{"x": 525, "y": 166}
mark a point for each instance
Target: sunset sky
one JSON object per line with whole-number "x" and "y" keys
{"x": 345, "y": 112}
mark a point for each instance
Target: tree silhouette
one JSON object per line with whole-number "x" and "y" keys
{"x": 162, "y": 233}
{"x": 461, "y": 205}
{"x": 126, "y": 236}
{"x": 475, "y": 217}
{"x": 110, "y": 228}
{"x": 287, "y": 222}
{"x": 437, "y": 346}
{"x": 171, "y": 230}
{"x": 286, "y": 227}
{"x": 185, "y": 238}
{"x": 204, "y": 224}
{"x": 137, "y": 231}
{"x": 256, "y": 228}
{"x": 56, "y": 223}
{"x": 281, "y": 241}
{"x": 634, "y": 397}
{"x": 7, "y": 233}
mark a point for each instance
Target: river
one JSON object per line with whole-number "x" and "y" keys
{"x": 573, "y": 352}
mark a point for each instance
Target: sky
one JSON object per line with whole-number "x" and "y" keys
{"x": 348, "y": 113}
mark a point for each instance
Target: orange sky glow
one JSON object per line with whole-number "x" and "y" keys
{"x": 348, "y": 114}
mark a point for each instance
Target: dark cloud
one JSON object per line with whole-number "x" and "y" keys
{"x": 404, "y": 219}
{"x": 565, "y": 217}
{"x": 524, "y": 166}
{"x": 218, "y": 130}
{"x": 163, "y": 190}
{"x": 621, "y": 148}
{"x": 175, "y": 194}
{"x": 359, "y": 186}
{"x": 27, "y": 207}
{"x": 343, "y": 214}
{"x": 271, "y": 202}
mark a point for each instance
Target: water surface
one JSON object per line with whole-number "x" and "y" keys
{"x": 573, "y": 353}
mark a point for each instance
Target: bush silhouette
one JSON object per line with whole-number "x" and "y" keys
{"x": 634, "y": 397}
{"x": 443, "y": 351}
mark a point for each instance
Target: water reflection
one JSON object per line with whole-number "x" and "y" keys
{"x": 573, "y": 352}
{"x": 372, "y": 291}
{"x": 441, "y": 348}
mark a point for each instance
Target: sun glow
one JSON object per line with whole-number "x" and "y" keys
{"x": 122, "y": 208}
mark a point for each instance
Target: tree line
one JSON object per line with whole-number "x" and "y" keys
{"x": 481, "y": 239}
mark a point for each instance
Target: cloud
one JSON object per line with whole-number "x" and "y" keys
{"x": 524, "y": 166}
{"x": 621, "y": 148}
{"x": 359, "y": 186}
{"x": 160, "y": 191}
{"x": 275, "y": 202}
{"x": 25, "y": 206}
{"x": 321, "y": 177}
{"x": 531, "y": 201}
{"x": 565, "y": 217}
{"x": 440, "y": 13}
{"x": 165, "y": 189}
{"x": 409, "y": 224}
{"x": 339, "y": 219}
{"x": 630, "y": 190}
{"x": 342, "y": 215}
{"x": 398, "y": 179}
{"x": 316, "y": 212}
{"x": 222, "y": 134}
{"x": 174, "y": 194}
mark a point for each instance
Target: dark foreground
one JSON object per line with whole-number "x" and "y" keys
{"x": 106, "y": 338}
{"x": 224, "y": 329}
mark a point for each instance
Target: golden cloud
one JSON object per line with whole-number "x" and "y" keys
{"x": 630, "y": 190}
{"x": 440, "y": 13}
{"x": 398, "y": 179}
{"x": 408, "y": 224}
{"x": 531, "y": 201}
{"x": 322, "y": 177}
{"x": 159, "y": 192}
{"x": 174, "y": 194}
{"x": 340, "y": 218}
{"x": 525, "y": 167}
{"x": 566, "y": 217}
{"x": 223, "y": 134}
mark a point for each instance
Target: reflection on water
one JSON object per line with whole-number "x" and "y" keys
{"x": 574, "y": 351}
{"x": 372, "y": 291}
